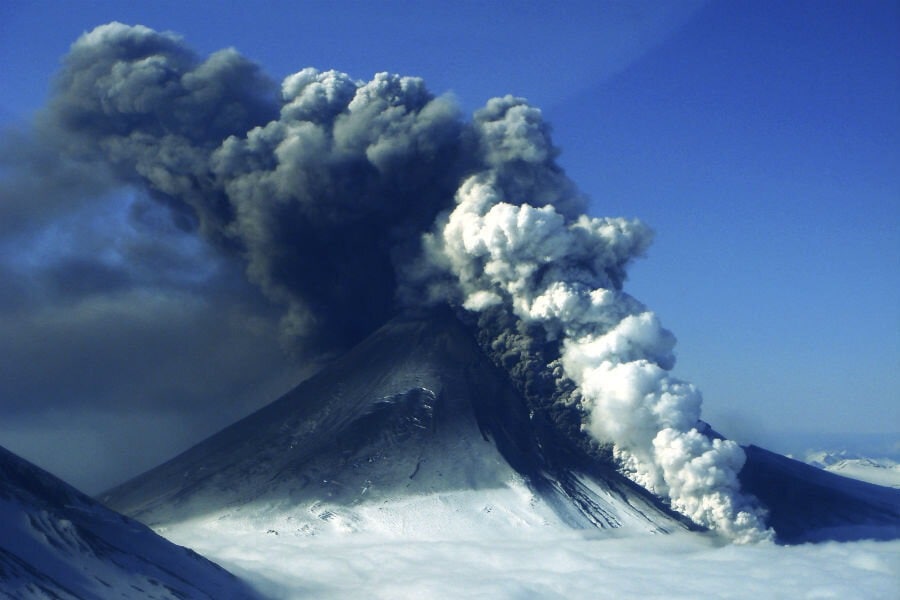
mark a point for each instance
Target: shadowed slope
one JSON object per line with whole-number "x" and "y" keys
{"x": 807, "y": 504}
{"x": 58, "y": 543}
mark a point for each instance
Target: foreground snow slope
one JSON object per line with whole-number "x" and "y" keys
{"x": 413, "y": 433}
{"x": 55, "y": 542}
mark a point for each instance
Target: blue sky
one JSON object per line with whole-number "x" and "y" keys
{"x": 760, "y": 140}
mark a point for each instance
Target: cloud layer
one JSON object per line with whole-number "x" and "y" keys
{"x": 544, "y": 564}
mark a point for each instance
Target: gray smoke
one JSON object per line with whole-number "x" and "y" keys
{"x": 346, "y": 199}
{"x": 321, "y": 191}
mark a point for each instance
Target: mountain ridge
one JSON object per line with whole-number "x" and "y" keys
{"x": 60, "y": 543}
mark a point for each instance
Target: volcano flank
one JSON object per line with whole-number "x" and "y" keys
{"x": 413, "y": 431}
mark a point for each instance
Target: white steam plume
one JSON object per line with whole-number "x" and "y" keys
{"x": 506, "y": 245}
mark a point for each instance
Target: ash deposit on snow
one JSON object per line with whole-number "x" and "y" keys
{"x": 346, "y": 200}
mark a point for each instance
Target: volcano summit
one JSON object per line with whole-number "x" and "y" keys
{"x": 412, "y": 433}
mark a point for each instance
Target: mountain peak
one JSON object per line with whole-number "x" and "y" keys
{"x": 414, "y": 424}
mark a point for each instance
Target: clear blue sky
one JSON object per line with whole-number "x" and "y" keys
{"x": 760, "y": 139}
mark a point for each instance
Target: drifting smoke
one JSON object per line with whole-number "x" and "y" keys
{"x": 321, "y": 192}
{"x": 343, "y": 196}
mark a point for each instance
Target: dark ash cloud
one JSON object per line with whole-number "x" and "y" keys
{"x": 322, "y": 192}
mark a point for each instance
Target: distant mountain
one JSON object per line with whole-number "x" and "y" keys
{"x": 880, "y": 471}
{"x": 55, "y": 542}
{"x": 414, "y": 432}
{"x": 809, "y": 504}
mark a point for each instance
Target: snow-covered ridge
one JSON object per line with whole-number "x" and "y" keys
{"x": 880, "y": 471}
{"x": 55, "y": 542}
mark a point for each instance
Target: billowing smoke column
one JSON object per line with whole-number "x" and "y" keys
{"x": 506, "y": 245}
{"x": 344, "y": 196}
{"x": 321, "y": 193}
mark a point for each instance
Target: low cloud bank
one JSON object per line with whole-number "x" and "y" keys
{"x": 542, "y": 565}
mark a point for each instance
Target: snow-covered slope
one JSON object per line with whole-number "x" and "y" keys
{"x": 55, "y": 542}
{"x": 878, "y": 471}
{"x": 411, "y": 434}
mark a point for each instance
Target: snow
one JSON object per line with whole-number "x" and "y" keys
{"x": 880, "y": 471}
{"x": 868, "y": 470}
{"x": 540, "y": 563}
{"x": 57, "y": 543}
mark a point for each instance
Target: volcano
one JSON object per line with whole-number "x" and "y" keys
{"x": 415, "y": 433}
{"x": 412, "y": 433}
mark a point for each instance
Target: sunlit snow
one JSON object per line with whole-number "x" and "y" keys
{"x": 880, "y": 471}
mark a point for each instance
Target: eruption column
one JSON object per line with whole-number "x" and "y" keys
{"x": 326, "y": 195}
{"x": 564, "y": 273}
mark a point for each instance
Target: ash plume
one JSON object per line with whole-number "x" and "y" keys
{"x": 321, "y": 189}
{"x": 346, "y": 199}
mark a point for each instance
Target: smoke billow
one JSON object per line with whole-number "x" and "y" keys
{"x": 346, "y": 199}
{"x": 322, "y": 191}
{"x": 505, "y": 248}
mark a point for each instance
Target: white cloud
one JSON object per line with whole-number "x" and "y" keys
{"x": 544, "y": 564}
